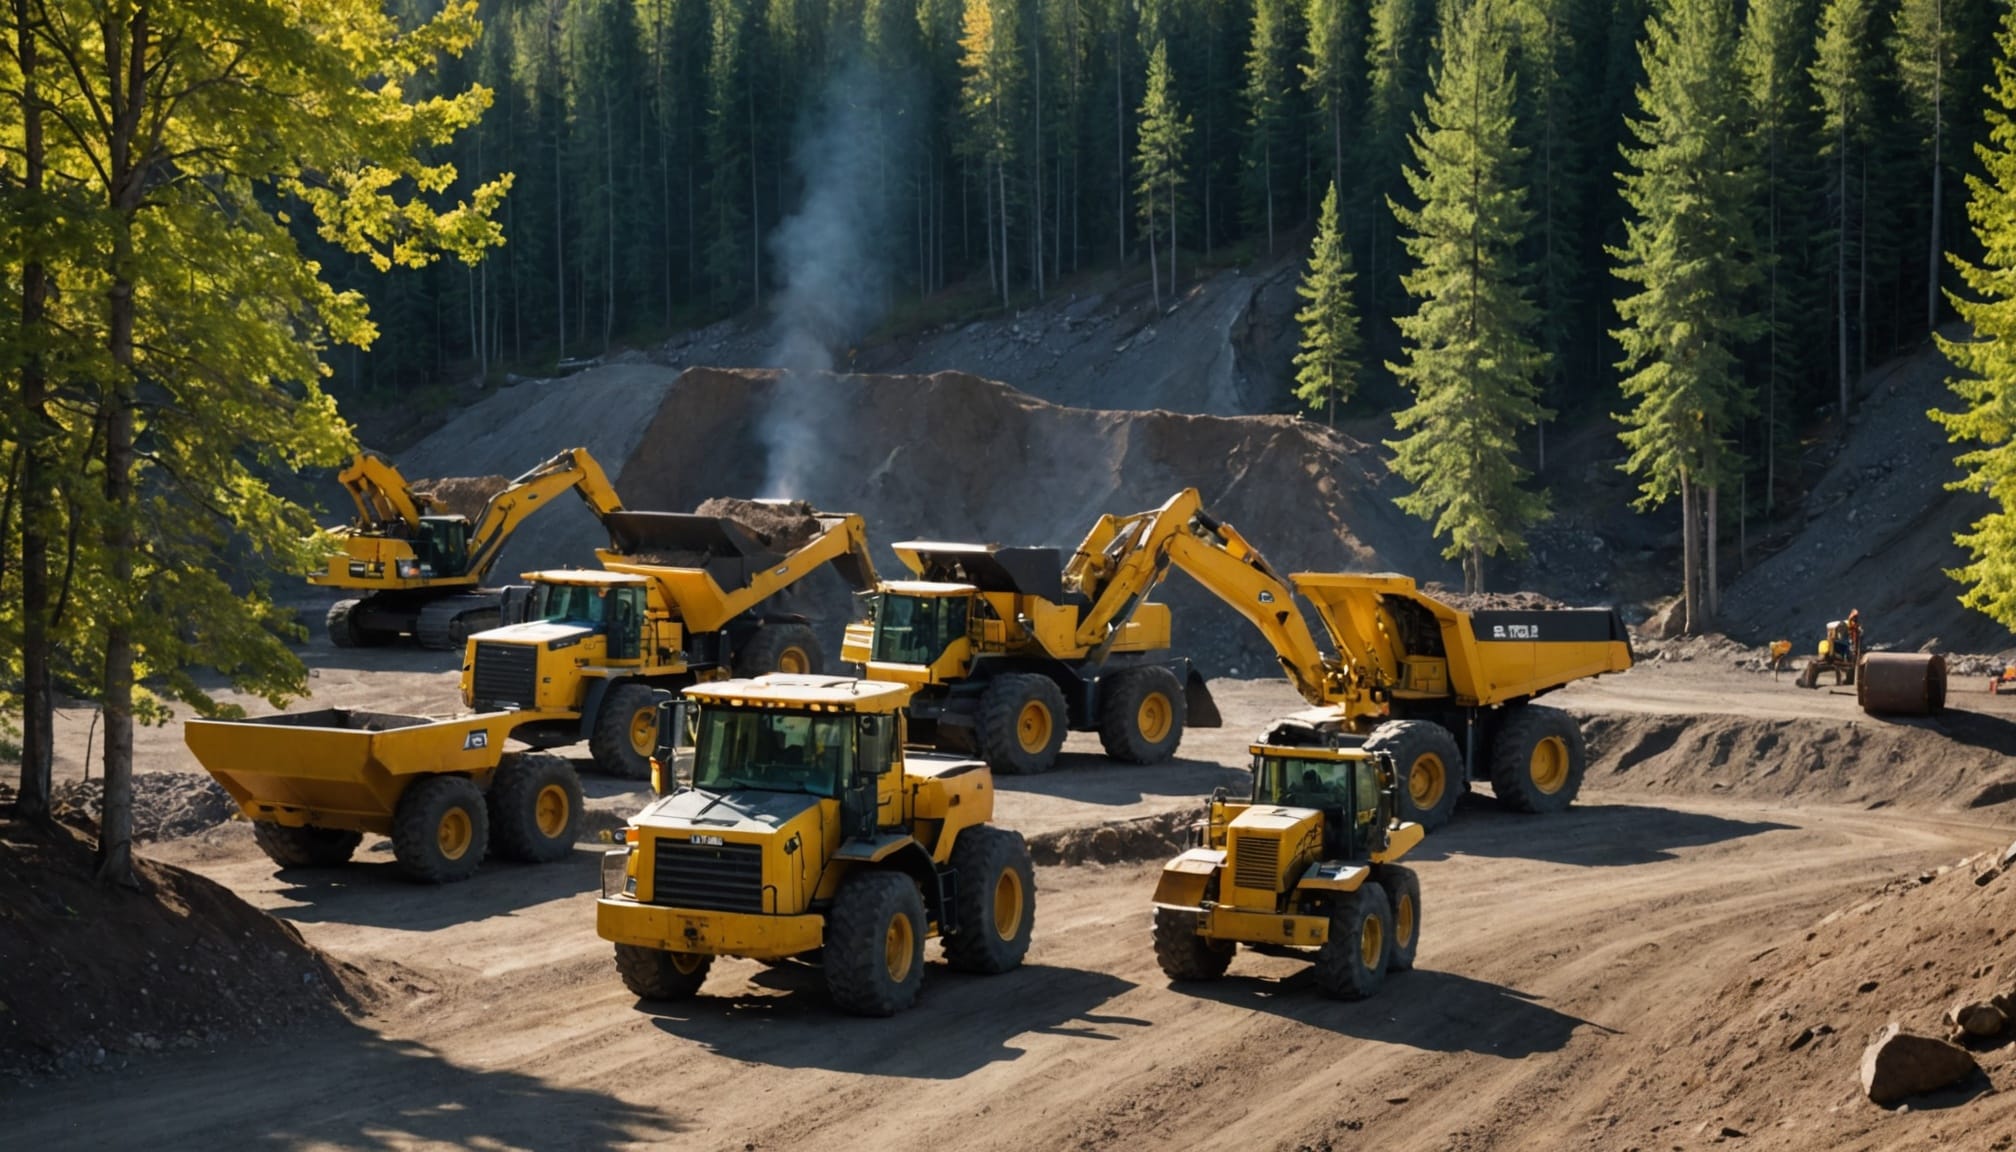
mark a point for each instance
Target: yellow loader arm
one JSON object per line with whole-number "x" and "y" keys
{"x": 507, "y": 510}
{"x": 380, "y": 493}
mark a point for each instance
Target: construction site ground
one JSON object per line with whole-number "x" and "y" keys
{"x": 1562, "y": 960}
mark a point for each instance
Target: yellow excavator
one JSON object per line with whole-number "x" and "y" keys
{"x": 421, "y": 572}
{"x": 680, "y": 599}
{"x": 1007, "y": 650}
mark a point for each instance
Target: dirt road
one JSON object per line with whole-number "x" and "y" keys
{"x": 1552, "y": 952}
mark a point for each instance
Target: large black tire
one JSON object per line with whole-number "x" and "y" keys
{"x": 1182, "y": 953}
{"x": 441, "y": 829}
{"x": 653, "y": 974}
{"x": 997, "y": 901}
{"x": 1429, "y": 766}
{"x": 1021, "y": 723}
{"x": 1538, "y": 760}
{"x": 1403, "y": 897}
{"x": 875, "y": 944}
{"x": 305, "y": 847}
{"x": 1141, "y": 715}
{"x": 625, "y": 732}
{"x": 1351, "y": 965}
{"x": 781, "y": 647}
{"x": 345, "y": 631}
{"x": 535, "y": 808}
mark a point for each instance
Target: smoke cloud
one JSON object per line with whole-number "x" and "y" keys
{"x": 833, "y": 259}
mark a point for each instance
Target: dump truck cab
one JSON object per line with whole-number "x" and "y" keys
{"x": 1307, "y": 862}
{"x": 805, "y": 827}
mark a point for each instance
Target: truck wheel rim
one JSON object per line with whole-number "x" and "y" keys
{"x": 897, "y": 945}
{"x": 454, "y": 833}
{"x": 1154, "y": 717}
{"x": 1403, "y": 921}
{"x": 1371, "y": 942}
{"x": 550, "y": 810}
{"x": 1008, "y": 904}
{"x": 644, "y": 731}
{"x": 1032, "y": 726}
{"x": 686, "y": 962}
{"x": 1426, "y": 781}
{"x": 1550, "y": 764}
{"x": 794, "y": 660}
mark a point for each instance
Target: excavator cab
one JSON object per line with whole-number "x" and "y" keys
{"x": 441, "y": 547}
{"x": 1355, "y": 793}
{"x": 915, "y": 623}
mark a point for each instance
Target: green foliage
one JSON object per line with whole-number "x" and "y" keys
{"x": 1688, "y": 254}
{"x": 1326, "y": 367}
{"x": 1470, "y": 359}
{"x": 1159, "y": 153}
{"x": 1270, "y": 104}
{"x": 1987, "y": 360}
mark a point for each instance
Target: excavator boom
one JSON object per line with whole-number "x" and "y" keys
{"x": 380, "y": 493}
{"x": 574, "y": 469}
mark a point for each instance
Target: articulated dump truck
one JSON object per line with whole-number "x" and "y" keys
{"x": 808, "y": 832}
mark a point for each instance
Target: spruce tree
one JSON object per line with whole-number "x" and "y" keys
{"x": 1326, "y": 368}
{"x": 1470, "y": 357}
{"x": 1270, "y": 111}
{"x": 1158, "y": 164}
{"x": 1688, "y": 254}
{"x": 1987, "y": 358}
{"x": 1844, "y": 81}
{"x": 1927, "y": 45}
{"x": 1395, "y": 51}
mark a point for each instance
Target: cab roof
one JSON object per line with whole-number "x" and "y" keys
{"x": 820, "y": 693}
{"x": 584, "y": 576}
{"x": 926, "y": 588}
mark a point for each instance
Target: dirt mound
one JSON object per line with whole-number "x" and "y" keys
{"x": 1492, "y": 601}
{"x": 1117, "y": 842}
{"x": 166, "y": 805}
{"x": 955, "y": 457}
{"x": 781, "y": 525}
{"x": 464, "y": 496}
{"x": 90, "y": 974}
{"x": 1775, "y": 1053}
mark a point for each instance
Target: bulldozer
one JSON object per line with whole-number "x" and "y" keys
{"x": 422, "y": 573}
{"x": 1306, "y": 867}
{"x": 1008, "y": 650}
{"x": 806, "y": 832}
{"x": 679, "y": 599}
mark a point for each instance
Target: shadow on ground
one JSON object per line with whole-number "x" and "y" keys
{"x": 368, "y": 1092}
{"x": 373, "y": 891}
{"x": 956, "y": 1028}
{"x": 1089, "y": 779}
{"x": 1587, "y": 835}
{"x": 1424, "y": 1009}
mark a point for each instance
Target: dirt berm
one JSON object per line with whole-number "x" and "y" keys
{"x": 955, "y": 457}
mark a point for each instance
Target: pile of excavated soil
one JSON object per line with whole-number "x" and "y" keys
{"x": 166, "y": 805}
{"x": 91, "y": 974}
{"x": 954, "y": 457}
{"x": 1117, "y": 842}
{"x": 464, "y": 496}
{"x": 1775, "y": 1054}
{"x": 1492, "y": 601}
{"x": 783, "y": 526}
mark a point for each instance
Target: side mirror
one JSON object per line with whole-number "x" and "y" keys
{"x": 876, "y": 744}
{"x": 672, "y": 721}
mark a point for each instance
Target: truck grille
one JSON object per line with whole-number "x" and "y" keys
{"x": 716, "y": 877}
{"x": 507, "y": 676}
{"x": 1256, "y": 862}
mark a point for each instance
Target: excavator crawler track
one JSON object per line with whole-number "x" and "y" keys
{"x": 446, "y": 624}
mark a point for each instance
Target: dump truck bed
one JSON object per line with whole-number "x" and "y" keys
{"x": 338, "y": 767}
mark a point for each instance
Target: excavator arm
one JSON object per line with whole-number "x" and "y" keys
{"x": 380, "y": 493}
{"x": 507, "y": 510}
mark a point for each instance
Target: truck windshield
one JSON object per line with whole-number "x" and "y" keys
{"x": 772, "y": 751}
{"x": 916, "y": 629}
{"x": 1308, "y": 782}
{"x": 572, "y": 603}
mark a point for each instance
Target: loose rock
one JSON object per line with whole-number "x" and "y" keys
{"x": 1975, "y": 1018}
{"x": 1900, "y": 1065}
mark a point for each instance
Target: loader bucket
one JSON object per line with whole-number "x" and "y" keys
{"x": 339, "y": 768}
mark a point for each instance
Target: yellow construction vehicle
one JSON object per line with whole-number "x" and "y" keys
{"x": 1305, "y": 868}
{"x": 422, "y": 573}
{"x": 807, "y": 831}
{"x": 1008, "y": 652}
{"x": 445, "y": 791}
{"x": 679, "y": 599}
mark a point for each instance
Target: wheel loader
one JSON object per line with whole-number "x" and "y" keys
{"x": 679, "y": 599}
{"x": 421, "y": 573}
{"x": 1008, "y": 651}
{"x": 806, "y": 831}
{"x": 1307, "y": 867}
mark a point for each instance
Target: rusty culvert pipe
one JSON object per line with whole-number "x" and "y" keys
{"x": 1902, "y": 683}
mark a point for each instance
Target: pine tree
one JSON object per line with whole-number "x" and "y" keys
{"x": 1334, "y": 73}
{"x": 1326, "y": 368}
{"x": 1471, "y": 362}
{"x": 1987, "y": 358}
{"x": 1158, "y": 163}
{"x": 1269, "y": 104}
{"x": 1688, "y": 252}
{"x": 1395, "y": 54}
{"x": 1844, "y": 80}
{"x": 992, "y": 89}
{"x": 1927, "y": 45}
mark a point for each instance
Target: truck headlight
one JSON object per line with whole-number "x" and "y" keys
{"x": 616, "y": 877}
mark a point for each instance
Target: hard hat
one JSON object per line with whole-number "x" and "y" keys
{"x": 1854, "y": 614}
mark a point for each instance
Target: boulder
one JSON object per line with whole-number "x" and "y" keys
{"x": 1900, "y": 1065}
{"x": 1669, "y": 622}
{"x": 1977, "y": 1018}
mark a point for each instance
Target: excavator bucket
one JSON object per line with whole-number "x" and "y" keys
{"x": 724, "y": 549}
{"x": 1199, "y": 709}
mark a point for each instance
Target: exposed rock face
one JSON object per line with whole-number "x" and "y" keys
{"x": 1900, "y": 1065}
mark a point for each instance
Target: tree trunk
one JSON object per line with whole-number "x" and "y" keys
{"x": 1841, "y": 273}
{"x": 559, "y": 188}
{"x": 1172, "y": 235}
{"x": 1932, "y": 251}
{"x": 1712, "y": 528}
{"x": 1036, "y": 159}
{"x": 1001, "y": 183}
{"x": 755, "y": 205}
{"x": 1690, "y": 551}
{"x": 1120, "y": 134}
{"x": 1861, "y": 279}
{"x": 37, "y": 707}
{"x": 1154, "y": 264}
